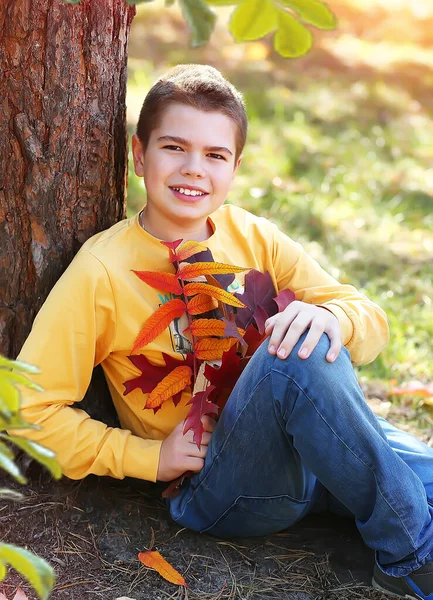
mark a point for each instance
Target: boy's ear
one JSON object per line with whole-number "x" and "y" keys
{"x": 138, "y": 155}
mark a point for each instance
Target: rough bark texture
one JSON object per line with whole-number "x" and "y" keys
{"x": 63, "y": 151}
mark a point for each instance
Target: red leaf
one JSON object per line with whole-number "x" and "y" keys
{"x": 231, "y": 330}
{"x": 224, "y": 378}
{"x": 200, "y": 406}
{"x": 158, "y": 322}
{"x": 166, "y": 282}
{"x": 172, "y": 249}
{"x": 173, "y": 489}
{"x": 253, "y": 339}
{"x": 283, "y": 299}
{"x": 188, "y": 249}
{"x": 172, "y": 245}
{"x": 259, "y": 292}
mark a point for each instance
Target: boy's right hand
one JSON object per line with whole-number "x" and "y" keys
{"x": 179, "y": 453}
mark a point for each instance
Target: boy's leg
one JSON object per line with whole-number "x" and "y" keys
{"x": 291, "y": 427}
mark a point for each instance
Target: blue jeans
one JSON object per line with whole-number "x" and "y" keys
{"x": 296, "y": 436}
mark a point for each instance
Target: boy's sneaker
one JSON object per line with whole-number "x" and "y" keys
{"x": 417, "y": 586}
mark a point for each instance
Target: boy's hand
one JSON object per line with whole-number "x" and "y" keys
{"x": 179, "y": 453}
{"x": 286, "y": 328}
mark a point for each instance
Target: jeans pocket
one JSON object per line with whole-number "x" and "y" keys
{"x": 258, "y": 515}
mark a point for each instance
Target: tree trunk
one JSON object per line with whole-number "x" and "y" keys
{"x": 63, "y": 155}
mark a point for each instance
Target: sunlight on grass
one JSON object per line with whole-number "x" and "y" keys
{"x": 341, "y": 160}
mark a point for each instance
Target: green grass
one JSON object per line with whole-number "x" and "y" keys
{"x": 344, "y": 167}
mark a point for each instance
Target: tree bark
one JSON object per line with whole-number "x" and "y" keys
{"x": 63, "y": 155}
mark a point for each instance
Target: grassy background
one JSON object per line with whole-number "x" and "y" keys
{"x": 339, "y": 155}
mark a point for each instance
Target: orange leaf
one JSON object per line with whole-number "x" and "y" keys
{"x": 159, "y": 321}
{"x": 154, "y": 560}
{"x": 207, "y": 327}
{"x": 212, "y": 349}
{"x": 207, "y": 268}
{"x": 186, "y": 250}
{"x": 204, "y": 288}
{"x": 174, "y": 382}
{"x": 166, "y": 282}
{"x": 202, "y": 303}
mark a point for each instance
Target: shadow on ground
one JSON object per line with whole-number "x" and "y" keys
{"x": 91, "y": 531}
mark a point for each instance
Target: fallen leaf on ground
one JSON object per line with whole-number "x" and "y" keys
{"x": 414, "y": 388}
{"x": 154, "y": 560}
{"x": 19, "y": 595}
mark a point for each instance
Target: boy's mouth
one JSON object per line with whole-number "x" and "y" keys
{"x": 188, "y": 192}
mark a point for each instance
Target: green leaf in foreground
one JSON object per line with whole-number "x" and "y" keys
{"x": 253, "y": 19}
{"x": 17, "y": 365}
{"x": 43, "y": 455}
{"x": 292, "y": 39}
{"x": 312, "y": 11}
{"x": 200, "y": 18}
{"x": 222, "y": 2}
{"x": 35, "y": 569}
{"x": 8, "y": 465}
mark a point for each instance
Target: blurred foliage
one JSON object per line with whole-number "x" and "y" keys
{"x": 254, "y": 19}
{"x": 339, "y": 153}
{"x": 13, "y": 373}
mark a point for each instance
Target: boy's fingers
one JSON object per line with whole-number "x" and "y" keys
{"x": 280, "y": 329}
{"x": 312, "y": 339}
{"x": 335, "y": 347}
{"x": 208, "y": 423}
{"x": 296, "y": 329}
{"x": 194, "y": 464}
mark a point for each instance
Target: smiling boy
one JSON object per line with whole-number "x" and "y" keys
{"x": 296, "y": 434}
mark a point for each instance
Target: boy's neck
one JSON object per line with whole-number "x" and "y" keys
{"x": 167, "y": 233}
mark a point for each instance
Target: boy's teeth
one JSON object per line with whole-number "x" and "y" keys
{"x": 189, "y": 192}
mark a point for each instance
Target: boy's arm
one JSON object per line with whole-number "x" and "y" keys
{"x": 364, "y": 324}
{"x": 73, "y": 332}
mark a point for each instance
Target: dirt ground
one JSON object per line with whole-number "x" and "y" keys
{"x": 91, "y": 531}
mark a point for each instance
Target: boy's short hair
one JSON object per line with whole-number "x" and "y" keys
{"x": 200, "y": 86}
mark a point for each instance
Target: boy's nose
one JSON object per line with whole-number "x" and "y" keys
{"x": 193, "y": 168}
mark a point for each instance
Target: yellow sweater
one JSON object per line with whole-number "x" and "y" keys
{"x": 97, "y": 308}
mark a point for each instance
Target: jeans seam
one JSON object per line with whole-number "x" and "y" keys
{"x": 350, "y": 450}
{"x": 224, "y": 443}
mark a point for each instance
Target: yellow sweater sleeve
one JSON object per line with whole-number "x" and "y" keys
{"x": 74, "y": 331}
{"x": 363, "y": 323}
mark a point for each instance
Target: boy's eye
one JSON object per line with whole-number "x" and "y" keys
{"x": 172, "y": 147}
{"x": 218, "y": 156}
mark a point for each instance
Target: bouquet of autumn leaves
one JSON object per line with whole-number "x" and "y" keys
{"x": 225, "y": 328}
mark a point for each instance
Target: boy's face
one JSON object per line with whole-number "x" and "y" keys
{"x": 188, "y": 168}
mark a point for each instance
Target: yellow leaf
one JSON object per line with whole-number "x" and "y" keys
{"x": 207, "y": 327}
{"x": 212, "y": 348}
{"x": 207, "y": 268}
{"x": 202, "y": 303}
{"x": 188, "y": 249}
{"x": 204, "y": 288}
{"x": 154, "y": 560}
{"x": 174, "y": 382}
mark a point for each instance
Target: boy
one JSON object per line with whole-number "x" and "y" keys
{"x": 296, "y": 434}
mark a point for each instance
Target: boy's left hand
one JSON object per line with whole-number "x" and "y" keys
{"x": 286, "y": 327}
